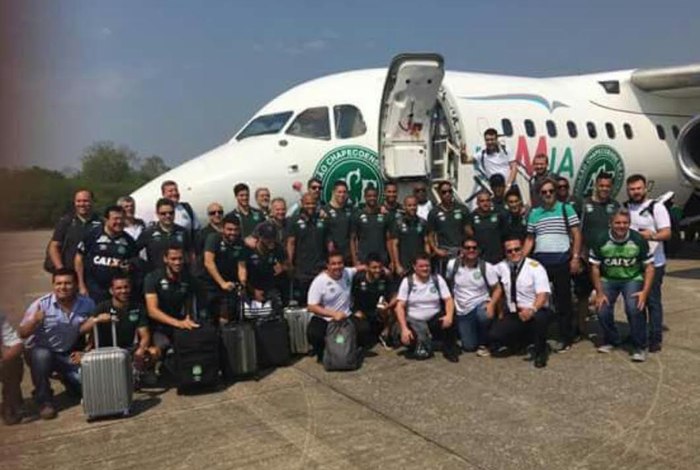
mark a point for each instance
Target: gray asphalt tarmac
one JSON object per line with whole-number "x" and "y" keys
{"x": 585, "y": 410}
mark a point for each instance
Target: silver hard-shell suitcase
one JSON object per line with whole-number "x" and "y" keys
{"x": 107, "y": 379}
{"x": 298, "y": 319}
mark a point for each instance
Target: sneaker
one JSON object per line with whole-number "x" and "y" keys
{"x": 605, "y": 348}
{"x": 483, "y": 351}
{"x": 655, "y": 347}
{"x": 563, "y": 348}
{"x": 47, "y": 412}
{"x": 639, "y": 356}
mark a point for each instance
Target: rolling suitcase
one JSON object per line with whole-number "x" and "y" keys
{"x": 107, "y": 379}
{"x": 272, "y": 342}
{"x": 196, "y": 357}
{"x": 298, "y": 319}
{"x": 239, "y": 350}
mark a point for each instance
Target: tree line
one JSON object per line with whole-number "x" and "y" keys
{"x": 36, "y": 197}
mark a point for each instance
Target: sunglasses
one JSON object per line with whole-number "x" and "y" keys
{"x": 166, "y": 213}
{"x": 445, "y": 191}
{"x": 316, "y": 188}
{"x": 216, "y": 212}
{"x": 563, "y": 186}
{"x": 419, "y": 190}
{"x": 547, "y": 191}
{"x": 514, "y": 250}
{"x": 470, "y": 248}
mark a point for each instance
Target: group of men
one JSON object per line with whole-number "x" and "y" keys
{"x": 487, "y": 280}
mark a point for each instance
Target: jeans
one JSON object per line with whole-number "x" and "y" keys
{"x": 473, "y": 328}
{"x": 560, "y": 277}
{"x": 655, "y": 308}
{"x": 635, "y": 317}
{"x": 512, "y": 332}
{"x": 43, "y": 363}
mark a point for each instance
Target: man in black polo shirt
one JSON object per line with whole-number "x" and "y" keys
{"x": 369, "y": 288}
{"x": 391, "y": 205}
{"x": 368, "y": 230}
{"x": 515, "y": 217}
{"x": 264, "y": 264}
{"x": 447, "y": 224}
{"x": 104, "y": 253}
{"x": 594, "y": 212}
{"x": 337, "y": 214}
{"x": 485, "y": 226}
{"x": 70, "y": 231}
{"x": 498, "y": 188}
{"x": 132, "y": 322}
{"x": 407, "y": 237}
{"x": 306, "y": 247}
{"x": 249, "y": 216}
{"x": 224, "y": 261}
{"x": 158, "y": 236}
{"x": 169, "y": 293}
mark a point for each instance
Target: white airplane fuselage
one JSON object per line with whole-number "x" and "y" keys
{"x": 473, "y": 102}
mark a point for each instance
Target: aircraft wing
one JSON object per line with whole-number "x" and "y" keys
{"x": 673, "y": 82}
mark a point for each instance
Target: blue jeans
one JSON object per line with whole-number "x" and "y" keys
{"x": 655, "y": 307}
{"x": 43, "y": 363}
{"x": 473, "y": 328}
{"x": 635, "y": 317}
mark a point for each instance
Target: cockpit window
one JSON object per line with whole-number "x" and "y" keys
{"x": 265, "y": 124}
{"x": 312, "y": 123}
{"x": 348, "y": 121}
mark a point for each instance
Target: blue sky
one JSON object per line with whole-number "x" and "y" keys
{"x": 175, "y": 78}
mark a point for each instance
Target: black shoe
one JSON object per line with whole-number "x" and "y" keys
{"x": 541, "y": 360}
{"x": 451, "y": 356}
{"x": 655, "y": 347}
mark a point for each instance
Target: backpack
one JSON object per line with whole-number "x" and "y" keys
{"x": 341, "y": 351}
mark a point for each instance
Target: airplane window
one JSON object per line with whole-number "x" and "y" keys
{"x": 610, "y": 130}
{"x": 266, "y": 124}
{"x": 529, "y": 128}
{"x": 628, "y": 130}
{"x": 311, "y": 123}
{"x": 348, "y": 121}
{"x": 675, "y": 131}
{"x": 592, "y": 132}
{"x": 507, "y": 127}
{"x": 551, "y": 129}
{"x": 573, "y": 132}
{"x": 661, "y": 132}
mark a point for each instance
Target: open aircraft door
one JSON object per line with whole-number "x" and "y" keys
{"x": 405, "y": 121}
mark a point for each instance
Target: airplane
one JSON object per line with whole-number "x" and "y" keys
{"x": 409, "y": 123}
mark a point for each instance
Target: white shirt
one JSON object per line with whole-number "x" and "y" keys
{"x": 331, "y": 293}
{"x": 182, "y": 218}
{"x": 531, "y": 281}
{"x": 424, "y": 301}
{"x": 469, "y": 288}
{"x": 424, "y": 209}
{"x": 496, "y": 163}
{"x": 134, "y": 230}
{"x": 660, "y": 219}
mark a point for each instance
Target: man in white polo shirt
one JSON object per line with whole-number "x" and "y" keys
{"x": 652, "y": 221}
{"x": 329, "y": 299}
{"x": 494, "y": 159}
{"x": 425, "y": 310}
{"x": 525, "y": 284}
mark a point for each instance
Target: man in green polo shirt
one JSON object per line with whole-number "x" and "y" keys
{"x": 249, "y": 216}
{"x": 131, "y": 323}
{"x": 447, "y": 224}
{"x": 169, "y": 294}
{"x": 368, "y": 230}
{"x": 621, "y": 264}
{"x": 407, "y": 237}
{"x": 595, "y": 212}
{"x": 337, "y": 215}
{"x": 485, "y": 226}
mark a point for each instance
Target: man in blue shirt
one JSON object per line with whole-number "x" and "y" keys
{"x": 52, "y": 325}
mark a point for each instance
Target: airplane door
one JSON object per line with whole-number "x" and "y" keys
{"x": 408, "y": 101}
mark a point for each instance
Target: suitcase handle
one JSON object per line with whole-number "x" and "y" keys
{"x": 113, "y": 322}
